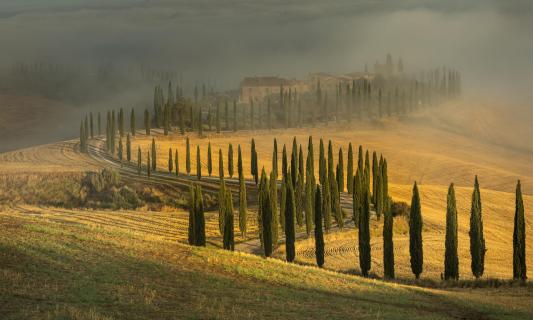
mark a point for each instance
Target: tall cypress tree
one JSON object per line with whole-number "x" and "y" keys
{"x": 218, "y": 118}
{"x": 198, "y": 164}
{"x": 349, "y": 170}
{"x": 415, "y": 234}
{"x": 519, "y": 238}
{"x": 176, "y": 163}
{"x": 360, "y": 164}
{"x": 229, "y": 238}
{"x": 139, "y": 161}
{"x": 477, "y": 241}
{"x": 253, "y": 164}
{"x": 275, "y": 158}
{"x": 366, "y": 184}
{"x": 451, "y": 259}
{"x": 230, "y": 160}
{"x": 340, "y": 175}
{"x": 243, "y": 210}
{"x": 220, "y": 164}
{"x": 290, "y": 233}
{"x": 221, "y": 206}
{"x": 148, "y": 165}
{"x": 294, "y": 163}
{"x": 282, "y": 204}
{"x": 240, "y": 169}
{"x": 266, "y": 215}
{"x": 91, "y": 124}
{"x": 170, "y": 161}
{"x": 375, "y": 172}
{"x": 357, "y": 197}
{"x": 326, "y": 205}
{"x": 132, "y": 122}
{"x": 147, "y": 122}
{"x": 274, "y": 206}
{"x": 319, "y": 235}
{"x": 388, "y": 227}
{"x": 309, "y": 205}
{"x": 188, "y": 156}
{"x": 154, "y": 156}
{"x": 121, "y": 122}
{"x": 192, "y": 215}
{"x": 364, "y": 235}
{"x": 120, "y": 150}
{"x": 284, "y": 164}
{"x": 322, "y": 171}
{"x": 128, "y": 148}
{"x": 199, "y": 221}
{"x": 209, "y": 159}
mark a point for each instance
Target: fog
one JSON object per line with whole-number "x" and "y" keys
{"x": 219, "y": 42}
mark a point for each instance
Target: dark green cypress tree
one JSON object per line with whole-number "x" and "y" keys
{"x": 366, "y": 184}
{"x": 86, "y": 127}
{"x": 221, "y": 205}
{"x": 198, "y": 164}
{"x": 230, "y": 160}
{"x": 275, "y": 158}
{"x": 282, "y": 204}
{"x": 519, "y": 238}
{"x": 229, "y": 237}
{"x": 284, "y": 164}
{"x": 154, "y": 156}
{"x": 274, "y": 200}
{"x": 322, "y": 171}
{"x": 266, "y": 215}
{"x": 415, "y": 234}
{"x": 294, "y": 163}
{"x": 326, "y": 205}
{"x": 290, "y": 233}
{"x": 375, "y": 172}
{"x": 335, "y": 200}
{"x": 209, "y": 159}
{"x": 309, "y": 205}
{"x": 255, "y": 170}
{"x": 121, "y": 122}
{"x": 187, "y": 156}
{"x": 451, "y": 259}
{"x": 220, "y": 164}
{"x": 360, "y": 165}
{"x": 132, "y": 122}
{"x": 148, "y": 165}
{"x": 340, "y": 175}
{"x": 147, "y": 122}
{"x": 240, "y": 169}
{"x": 349, "y": 170}
{"x": 192, "y": 215}
{"x": 477, "y": 240}
{"x": 319, "y": 234}
{"x": 330, "y": 161}
{"x": 243, "y": 210}
{"x": 128, "y": 148}
{"x": 199, "y": 221}
{"x": 139, "y": 161}
{"x": 170, "y": 161}
{"x": 364, "y": 235}
{"x": 357, "y": 197}
{"x": 388, "y": 244}
{"x": 176, "y": 163}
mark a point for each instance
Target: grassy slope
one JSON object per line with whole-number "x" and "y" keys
{"x": 55, "y": 267}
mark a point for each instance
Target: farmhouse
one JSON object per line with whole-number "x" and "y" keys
{"x": 258, "y": 88}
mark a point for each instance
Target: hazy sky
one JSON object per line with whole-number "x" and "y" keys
{"x": 219, "y": 40}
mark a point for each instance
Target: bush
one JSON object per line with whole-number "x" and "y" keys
{"x": 400, "y": 209}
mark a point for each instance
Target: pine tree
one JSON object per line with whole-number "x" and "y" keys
{"x": 243, "y": 211}
{"x": 519, "y": 238}
{"x": 154, "y": 156}
{"x": 230, "y": 160}
{"x": 364, "y": 235}
{"x": 290, "y": 233}
{"x": 176, "y": 163}
{"x": 170, "y": 161}
{"x": 128, "y": 148}
{"x": 139, "y": 161}
{"x": 188, "y": 156}
{"x": 198, "y": 164}
{"x": 147, "y": 122}
{"x": 349, "y": 170}
{"x": 220, "y": 164}
{"x": 451, "y": 259}
{"x": 415, "y": 234}
{"x": 229, "y": 238}
{"x": 340, "y": 175}
{"x": 132, "y": 122}
{"x": 477, "y": 241}
{"x": 209, "y": 159}
{"x": 319, "y": 235}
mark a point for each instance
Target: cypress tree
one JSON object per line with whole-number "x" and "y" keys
{"x": 477, "y": 241}
{"x": 290, "y": 233}
{"x": 357, "y": 197}
{"x": 243, "y": 211}
{"x": 274, "y": 206}
{"x": 284, "y": 164}
{"x": 132, "y": 122}
{"x": 199, "y": 221}
{"x": 176, "y": 162}
{"x": 366, "y": 184}
{"x": 239, "y": 163}
{"x": 139, "y": 161}
{"x": 92, "y": 125}
{"x": 275, "y": 158}
{"x": 340, "y": 175}
{"x": 375, "y": 171}
{"x": 170, "y": 161}
{"x": 360, "y": 161}
{"x": 192, "y": 216}
{"x": 294, "y": 163}
{"x": 282, "y": 204}
{"x": 188, "y": 156}
{"x": 121, "y": 122}
{"x": 322, "y": 166}
{"x": 349, "y": 170}
{"x": 364, "y": 235}
{"x": 154, "y": 156}
{"x": 415, "y": 234}
{"x": 255, "y": 165}
{"x": 230, "y": 160}
{"x": 311, "y": 157}
{"x": 309, "y": 205}
{"x": 209, "y": 159}
{"x": 198, "y": 164}
{"x": 451, "y": 259}
{"x": 330, "y": 161}
{"x": 229, "y": 238}
{"x": 221, "y": 205}
{"x": 319, "y": 235}
{"x": 266, "y": 215}
{"x": 253, "y": 162}
{"x": 388, "y": 245}
{"x": 147, "y": 122}
{"x": 519, "y": 238}
{"x": 220, "y": 164}
{"x": 120, "y": 150}
{"x": 148, "y": 165}
{"x": 128, "y": 148}
{"x": 200, "y": 122}
{"x": 335, "y": 200}
{"x": 326, "y": 205}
